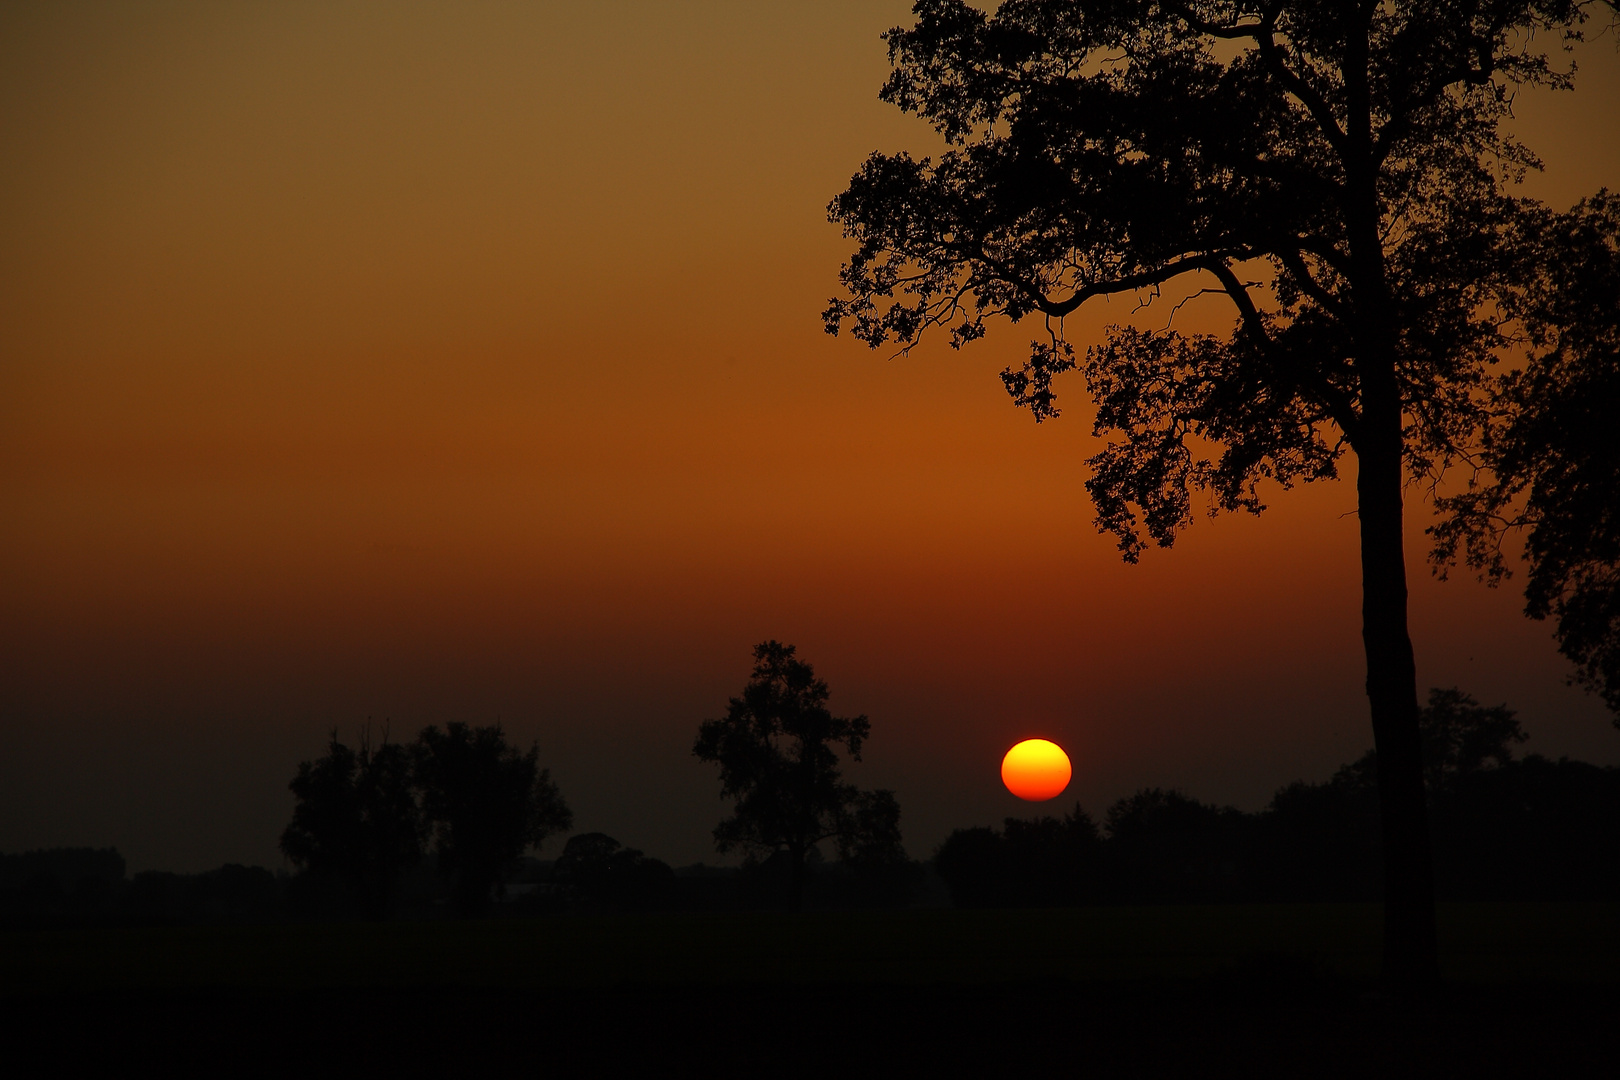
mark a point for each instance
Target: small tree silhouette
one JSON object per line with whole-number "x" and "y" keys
{"x": 776, "y": 748}
{"x": 486, "y": 804}
{"x": 1460, "y": 737}
{"x": 357, "y": 819}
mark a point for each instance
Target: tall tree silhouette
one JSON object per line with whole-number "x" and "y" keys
{"x": 1334, "y": 168}
{"x": 357, "y": 819}
{"x": 777, "y": 751}
{"x": 486, "y": 804}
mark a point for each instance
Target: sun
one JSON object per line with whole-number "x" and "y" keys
{"x": 1036, "y": 770}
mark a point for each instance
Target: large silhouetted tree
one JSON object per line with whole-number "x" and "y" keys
{"x": 357, "y": 820}
{"x": 777, "y": 748}
{"x": 1335, "y": 168}
{"x": 486, "y": 803}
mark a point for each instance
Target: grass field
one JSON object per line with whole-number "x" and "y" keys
{"x": 1252, "y": 991}
{"x": 1482, "y": 944}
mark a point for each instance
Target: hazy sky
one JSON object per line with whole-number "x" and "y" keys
{"x": 464, "y": 361}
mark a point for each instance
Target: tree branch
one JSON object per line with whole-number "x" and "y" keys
{"x": 1335, "y": 401}
{"x": 1057, "y": 309}
{"x": 1307, "y": 284}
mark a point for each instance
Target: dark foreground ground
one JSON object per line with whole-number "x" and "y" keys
{"x": 1532, "y": 990}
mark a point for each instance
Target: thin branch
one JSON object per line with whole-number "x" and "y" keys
{"x": 1263, "y": 34}
{"x": 1126, "y": 283}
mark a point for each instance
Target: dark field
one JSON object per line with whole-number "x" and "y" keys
{"x": 1281, "y": 990}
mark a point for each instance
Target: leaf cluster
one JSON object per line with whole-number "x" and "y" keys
{"x": 1550, "y": 463}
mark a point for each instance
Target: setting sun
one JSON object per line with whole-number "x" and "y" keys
{"x": 1036, "y": 770}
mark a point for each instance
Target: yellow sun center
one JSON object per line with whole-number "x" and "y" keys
{"x": 1036, "y": 770}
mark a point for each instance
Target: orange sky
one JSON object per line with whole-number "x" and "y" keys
{"x": 464, "y": 362}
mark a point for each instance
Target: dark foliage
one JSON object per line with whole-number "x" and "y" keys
{"x": 485, "y": 804}
{"x": 1530, "y": 830}
{"x": 233, "y": 893}
{"x": 357, "y": 821}
{"x": 596, "y": 871}
{"x": 87, "y": 887}
{"x": 1318, "y": 842}
{"x": 68, "y": 866}
{"x": 823, "y": 884}
{"x": 57, "y": 884}
{"x": 973, "y": 864}
{"x": 866, "y": 884}
{"x": 1047, "y": 861}
{"x": 1551, "y": 464}
{"x": 1163, "y": 846}
{"x": 777, "y": 748}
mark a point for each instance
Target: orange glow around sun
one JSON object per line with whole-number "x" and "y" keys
{"x": 1036, "y": 770}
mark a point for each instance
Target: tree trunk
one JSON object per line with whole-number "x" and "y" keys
{"x": 1411, "y": 959}
{"x": 1410, "y": 948}
{"x": 796, "y": 879}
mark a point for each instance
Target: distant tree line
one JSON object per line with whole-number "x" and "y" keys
{"x": 65, "y": 887}
{"x": 446, "y": 826}
{"x": 1503, "y": 828}
{"x": 77, "y": 886}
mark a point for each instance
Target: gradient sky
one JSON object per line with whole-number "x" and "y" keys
{"x": 433, "y": 362}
